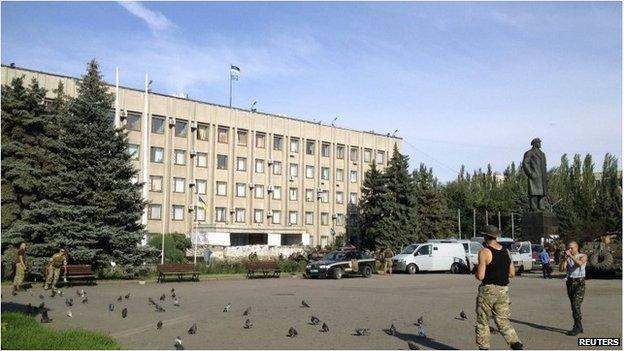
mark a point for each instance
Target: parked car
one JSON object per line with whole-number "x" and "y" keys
{"x": 431, "y": 256}
{"x": 337, "y": 264}
{"x": 520, "y": 252}
{"x": 535, "y": 251}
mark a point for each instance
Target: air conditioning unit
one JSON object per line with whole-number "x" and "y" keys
{"x": 292, "y": 155}
{"x": 319, "y": 190}
{"x": 292, "y": 179}
{"x": 232, "y": 212}
{"x": 355, "y": 163}
{"x": 171, "y": 121}
{"x": 252, "y": 185}
{"x": 193, "y": 153}
{"x": 270, "y": 188}
{"x": 269, "y": 213}
{"x": 123, "y": 114}
{"x": 193, "y": 125}
{"x": 270, "y": 162}
{"x": 192, "y": 183}
{"x": 334, "y": 216}
{"x": 191, "y": 208}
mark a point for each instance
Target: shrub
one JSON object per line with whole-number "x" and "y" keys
{"x": 176, "y": 245}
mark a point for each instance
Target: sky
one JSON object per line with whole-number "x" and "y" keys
{"x": 464, "y": 83}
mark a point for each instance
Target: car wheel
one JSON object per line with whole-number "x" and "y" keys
{"x": 337, "y": 272}
{"x": 367, "y": 271}
{"x": 412, "y": 268}
{"x": 455, "y": 268}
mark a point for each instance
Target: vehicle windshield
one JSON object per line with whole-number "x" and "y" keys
{"x": 334, "y": 256}
{"x": 410, "y": 249}
{"x": 511, "y": 246}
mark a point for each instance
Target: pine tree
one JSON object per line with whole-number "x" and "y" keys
{"x": 373, "y": 206}
{"x": 432, "y": 211}
{"x": 609, "y": 197}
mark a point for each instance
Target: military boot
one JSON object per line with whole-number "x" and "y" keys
{"x": 516, "y": 346}
{"x": 576, "y": 329}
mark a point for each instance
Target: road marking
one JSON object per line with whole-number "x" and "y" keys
{"x": 130, "y": 332}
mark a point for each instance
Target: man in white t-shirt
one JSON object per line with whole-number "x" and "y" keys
{"x": 574, "y": 266}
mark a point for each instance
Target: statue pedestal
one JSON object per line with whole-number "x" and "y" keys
{"x": 537, "y": 225}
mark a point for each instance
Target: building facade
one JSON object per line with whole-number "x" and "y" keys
{"x": 237, "y": 177}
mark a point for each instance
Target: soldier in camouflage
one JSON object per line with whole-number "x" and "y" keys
{"x": 494, "y": 269}
{"x": 574, "y": 265}
{"x": 57, "y": 261}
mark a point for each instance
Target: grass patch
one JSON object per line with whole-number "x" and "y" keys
{"x": 21, "y": 331}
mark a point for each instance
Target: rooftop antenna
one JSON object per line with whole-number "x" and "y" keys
{"x": 395, "y": 131}
{"x": 149, "y": 86}
{"x": 334, "y": 120}
{"x": 252, "y": 108}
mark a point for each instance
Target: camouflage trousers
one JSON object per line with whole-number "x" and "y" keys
{"x": 20, "y": 271}
{"x": 576, "y": 293}
{"x": 388, "y": 266}
{"x": 493, "y": 300}
{"x": 52, "y": 278}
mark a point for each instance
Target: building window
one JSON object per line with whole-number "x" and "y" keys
{"x": 353, "y": 198}
{"x": 310, "y": 147}
{"x": 294, "y": 145}
{"x": 309, "y": 195}
{"x": 294, "y": 170}
{"x": 259, "y": 165}
{"x": 156, "y": 183}
{"x": 340, "y": 151}
{"x": 277, "y": 193}
{"x": 367, "y": 155}
{"x": 177, "y": 212}
{"x": 200, "y": 214}
{"x": 221, "y": 188}
{"x": 278, "y": 142}
{"x": 258, "y": 216}
{"x": 339, "y": 174}
{"x": 354, "y": 154}
{"x": 179, "y": 157}
{"x": 133, "y": 151}
{"x": 290, "y": 239}
{"x": 259, "y": 191}
{"x": 178, "y": 185}
{"x": 241, "y": 137}
{"x": 325, "y": 173}
{"x": 222, "y": 162}
{"x": 158, "y": 124}
{"x": 260, "y": 140}
{"x": 134, "y": 121}
{"x": 325, "y": 149}
{"x": 292, "y": 194}
{"x": 277, "y": 167}
{"x": 202, "y": 159}
{"x": 277, "y": 217}
{"x": 340, "y": 219}
{"x": 339, "y": 197}
{"x": 220, "y": 214}
{"x": 155, "y": 211}
{"x": 381, "y": 157}
{"x": 324, "y": 218}
{"x": 240, "y": 215}
{"x": 156, "y": 154}
{"x": 353, "y": 176}
{"x": 222, "y": 135}
{"x": 181, "y": 128}
{"x": 241, "y": 164}
{"x": 202, "y": 131}
{"x": 309, "y": 171}
{"x": 324, "y": 196}
{"x": 241, "y": 189}
{"x": 309, "y": 218}
{"x": 202, "y": 187}
{"x": 292, "y": 217}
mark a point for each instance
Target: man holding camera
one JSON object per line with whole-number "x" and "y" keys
{"x": 574, "y": 266}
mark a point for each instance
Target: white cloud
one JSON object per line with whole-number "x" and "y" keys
{"x": 155, "y": 20}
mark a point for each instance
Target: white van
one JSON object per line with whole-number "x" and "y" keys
{"x": 471, "y": 248}
{"x": 431, "y": 256}
{"x": 521, "y": 252}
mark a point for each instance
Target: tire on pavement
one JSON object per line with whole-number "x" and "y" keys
{"x": 337, "y": 273}
{"x": 411, "y": 268}
{"x": 601, "y": 260}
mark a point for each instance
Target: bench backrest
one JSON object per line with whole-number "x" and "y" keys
{"x": 176, "y": 267}
{"x": 78, "y": 269}
{"x": 255, "y": 265}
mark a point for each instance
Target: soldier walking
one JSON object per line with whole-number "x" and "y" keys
{"x": 388, "y": 254}
{"x": 574, "y": 265}
{"x": 20, "y": 268}
{"x": 57, "y": 261}
{"x": 494, "y": 270}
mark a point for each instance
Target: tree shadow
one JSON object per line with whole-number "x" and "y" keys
{"x": 424, "y": 342}
{"x": 21, "y": 308}
{"x": 539, "y": 326}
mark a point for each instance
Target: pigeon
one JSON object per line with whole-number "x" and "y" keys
{"x": 324, "y": 328}
{"x": 82, "y": 293}
{"x": 78, "y": 292}
{"x": 362, "y": 332}
{"x": 292, "y": 332}
{"x": 247, "y": 311}
{"x": 176, "y": 302}
{"x": 178, "y": 344}
{"x": 421, "y": 332}
{"x": 412, "y": 345}
{"x": 85, "y": 299}
{"x": 159, "y": 325}
{"x": 173, "y": 295}
{"x": 69, "y": 313}
{"x": 172, "y": 290}
{"x": 314, "y": 320}
{"x": 163, "y": 297}
{"x": 193, "y": 329}
{"x": 44, "y": 317}
{"x": 420, "y": 320}
{"x": 462, "y": 315}
{"x": 60, "y": 292}
{"x": 227, "y": 307}
{"x": 119, "y": 298}
{"x": 111, "y": 307}
{"x": 304, "y": 304}
{"x": 248, "y": 324}
{"x": 391, "y": 330}
{"x": 41, "y": 296}
{"x": 30, "y": 292}
{"x": 159, "y": 308}
{"x": 127, "y": 296}
{"x": 69, "y": 302}
{"x": 124, "y": 313}
{"x": 52, "y": 293}
{"x": 151, "y": 301}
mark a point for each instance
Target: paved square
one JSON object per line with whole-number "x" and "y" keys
{"x": 540, "y": 312}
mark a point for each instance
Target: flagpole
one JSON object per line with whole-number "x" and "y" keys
{"x": 230, "y": 85}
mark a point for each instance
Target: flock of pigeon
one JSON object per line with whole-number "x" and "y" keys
{"x": 247, "y": 324}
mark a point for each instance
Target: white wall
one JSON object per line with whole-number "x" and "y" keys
{"x": 274, "y": 239}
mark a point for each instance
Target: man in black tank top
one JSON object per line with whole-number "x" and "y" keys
{"x": 494, "y": 270}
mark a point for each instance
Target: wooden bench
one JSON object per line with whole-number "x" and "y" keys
{"x": 177, "y": 269}
{"x": 80, "y": 272}
{"x": 267, "y": 268}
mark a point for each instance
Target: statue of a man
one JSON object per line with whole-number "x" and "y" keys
{"x": 534, "y": 166}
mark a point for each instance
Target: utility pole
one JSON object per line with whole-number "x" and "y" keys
{"x": 474, "y": 222}
{"x": 487, "y": 222}
{"x": 499, "y": 221}
{"x": 117, "y": 121}
{"x": 513, "y": 234}
{"x": 145, "y": 129}
{"x": 459, "y": 223}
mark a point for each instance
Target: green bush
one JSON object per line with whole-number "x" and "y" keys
{"x": 223, "y": 267}
{"x": 292, "y": 266}
{"x": 23, "y": 332}
{"x": 176, "y": 245}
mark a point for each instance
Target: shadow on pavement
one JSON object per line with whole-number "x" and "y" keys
{"x": 425, "y": 342}
{"x": 539, "y": 326}
{"x": 21, "y": 308}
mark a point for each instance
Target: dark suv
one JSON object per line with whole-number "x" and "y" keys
{"x": 336, "y": 264}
